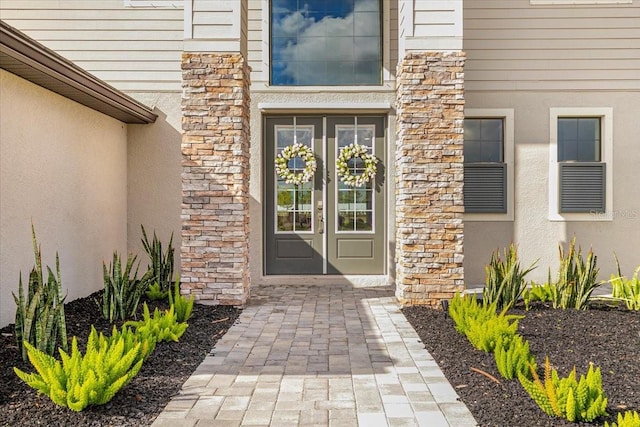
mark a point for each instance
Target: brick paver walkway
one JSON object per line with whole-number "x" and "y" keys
{"x": 318, "y": 355}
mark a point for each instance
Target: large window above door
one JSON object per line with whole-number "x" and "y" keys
{"x": 325, "y": 42}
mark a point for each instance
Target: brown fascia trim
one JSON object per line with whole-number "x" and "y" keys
{"x": 29, "y": 52}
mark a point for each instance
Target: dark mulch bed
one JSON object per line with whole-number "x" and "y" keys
{"x": 137, "y": 404}
{"x": 610, "y": 338}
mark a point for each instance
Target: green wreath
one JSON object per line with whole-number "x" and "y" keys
{"x": 292, "y": 151}
{"x": 344, "y": 172}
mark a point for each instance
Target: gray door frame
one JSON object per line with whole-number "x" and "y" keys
{"x": 333, "y": 251}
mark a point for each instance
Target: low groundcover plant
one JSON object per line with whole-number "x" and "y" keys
{"x": 626, "y": 419}
{"x": 82, "y": 380}
{"x": 163, "y": 325}
{"x": 183, "y": 306}
{"x": 569, "y": 398}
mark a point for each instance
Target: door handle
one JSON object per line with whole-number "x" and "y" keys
{"x": 320, "y": 218}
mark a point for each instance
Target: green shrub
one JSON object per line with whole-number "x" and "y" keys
{"x": 627, "y": 290}
{"x": 484, "y": 335}
{"x": 160, "y": 262}
{"x": 513, "y": 356}
{"x": 122, "y": 289}
{"x": 465, "y": 309}
{"x": 183, "y": 307}
{"x": 577, "y": 278}
{"x": 480, "y": 323}
{"x": 627, "y": 419}
{"x": 504, "y": 280}
{"x": 40, "y": 319}
{"x": 543, "y": 293}
{"x": 132, "y": 338}
{"x": 164, "y": 326}
{"x": 574, "y": 400}
{"x": 82, "y": 380}
{"x": 154, "y": 292}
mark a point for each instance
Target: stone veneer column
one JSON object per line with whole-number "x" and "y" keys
{"x": 429, "y": 177}
{"x": 215, "y": 177}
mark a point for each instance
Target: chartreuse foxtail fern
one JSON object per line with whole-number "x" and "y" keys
{"x": 122, "y": 288}
{"x": 465, "y": 309}
{"x": 183, "y": 306}
{"x": 627, "y": 290}
{"x": 164, "y": 326}
{"x": 569, "y": 398}
{"x": 480, "y": 323}
{"x": 626, "y": 419}
{"x": 543, "y": 293}
{"x": 78, "y": 380}
{"x": 132, "y": 338}
{"x": 504, "y": 279}
{"x": 513, "y": 356}
{"x": 154, "y": 292}
{"x": 485, "y": 335}
{"x": 40, "y": 319}
{"x": 160, "y": 262}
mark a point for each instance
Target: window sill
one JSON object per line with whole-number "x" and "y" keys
{"x": 576, "y": 2}
{"x": 387, "y": 86}
{"x": 488, "y": 217}
{"x": 582, "y": 217}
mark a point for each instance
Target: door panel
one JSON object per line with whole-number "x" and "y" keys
{"x": 356, "y": 239}
{"x": 293, "y": 244}
{"x": 324, "y": 226}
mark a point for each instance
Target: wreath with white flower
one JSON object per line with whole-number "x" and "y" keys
{"x": 344, "y": 171}
{"x": 292, "y": 151}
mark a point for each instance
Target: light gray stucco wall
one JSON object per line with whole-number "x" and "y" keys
{"x": 536, "y": 236}
{"x": 154, "y": 192}
{"x": 64, "y": 169}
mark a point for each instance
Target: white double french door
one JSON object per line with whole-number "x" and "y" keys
{"x": 324, "y": 226}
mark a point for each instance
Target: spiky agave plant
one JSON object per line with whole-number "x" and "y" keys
{"x": 122, "y": 288}
{"x": 160, "y": 261}
{"x": 504, "y": 281}
{"x": 40, "y": 319}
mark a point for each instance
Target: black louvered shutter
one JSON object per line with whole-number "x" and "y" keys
{"x": 485, "y": 188}
{"x": 582, "y": 187}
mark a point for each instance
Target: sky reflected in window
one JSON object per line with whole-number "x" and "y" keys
{"x": 325, "y": 42}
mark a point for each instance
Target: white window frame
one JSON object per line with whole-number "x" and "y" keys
{"x": 606, "y": 151}
{"x": 155, "y": 4}
{"x": 507, "y": 115}
{"x": 576, "y": 2}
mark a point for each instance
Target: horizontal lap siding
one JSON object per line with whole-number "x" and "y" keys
{"x": 433, "y": 18}
{"x": 255, "y": 42}
{"x": 512, "y": 45}
{"x": 133, "y": 49}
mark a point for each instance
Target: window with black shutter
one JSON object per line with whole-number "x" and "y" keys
{"x": 582, "y": 173}
{"x": 485, "y": 171}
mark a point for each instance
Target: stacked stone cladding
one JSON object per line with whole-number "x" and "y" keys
{"x": 429, "y": 177}
{"x": 215, "y": 177}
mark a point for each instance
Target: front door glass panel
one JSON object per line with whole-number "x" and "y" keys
{"x": 294, "y": 207}
{"x": 355, "y": 204}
